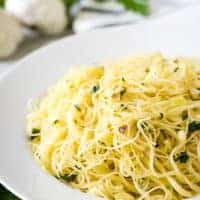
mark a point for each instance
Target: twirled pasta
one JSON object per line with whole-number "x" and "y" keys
{"x": 123, "y": 130}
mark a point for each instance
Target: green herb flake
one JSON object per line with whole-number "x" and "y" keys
{"x": 193, "y": 126}
{"x": 123, "y": 79}
{"x": 94, "y": 89}
{"x": 176, "y": 69}
{"x": 77, "y": 167}
{"x": 57, "y": 177}
{"x": 32, "y": 137}
{"x": 69, "y": 177}
{"x": 161, "y": 115}
{"x": 102, "y": 143}
{"x": 144, "y": 125}
{"x": 147, "y": 70}
{"x": 56, "y": 121}
{"x": 77, "y": 107}
{"x": 184, "y": 114}
{"x": 122, "y": 92}
{"x": 124, "y": 107}
{"x": 156, "y": 145}
{"x": 182, "y": 157}
{"x": 35, "y": 130}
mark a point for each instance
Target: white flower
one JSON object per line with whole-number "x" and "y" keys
{"x": 48, "y": 16}
{"x": 11, "y": 34}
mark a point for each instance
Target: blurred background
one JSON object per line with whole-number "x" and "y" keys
{"x": 26, "y": 25}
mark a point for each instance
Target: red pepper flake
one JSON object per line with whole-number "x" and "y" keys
{"x": 123, "y": 128}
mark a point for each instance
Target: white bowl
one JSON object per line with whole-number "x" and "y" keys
{"x": 35, "y": 73}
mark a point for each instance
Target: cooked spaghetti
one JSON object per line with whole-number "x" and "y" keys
{"x": 123, "y": 130}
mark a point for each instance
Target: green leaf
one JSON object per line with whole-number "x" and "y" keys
{"x": 70, "y": 3}
{"x": 140, "y": 6}
{"x": 2, "y": 3}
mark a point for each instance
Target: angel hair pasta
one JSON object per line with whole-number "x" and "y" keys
{"x": 123, "y": 130}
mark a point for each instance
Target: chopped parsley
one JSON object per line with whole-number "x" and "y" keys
{"x": 122, "y": 92}
{"x": 56, "y": 121}
{"x": 32, "y": 137}
{"x": 77, "y": 107}
{"x": 193, "y": 126}
{"x": 123, "y": 79}
{"x": 156, "y": 145}
{"x": 102, "y": 143}
{"x": 77, "y": 167}
{"x": 69, "y": 177}
{"x": 184, "y": 115}
{"x": 95, "y": 88}
{"x": 123, "y": 107}
{"x": 144, "y": 125}
{"x": 147, "y": 70}
{"x": 176, "y": 69}
{"x": 161, "y": 115}
{"x": 35, "y": 130}
{"x": 34, "y": 133}
{"x": 182, "y": 157}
